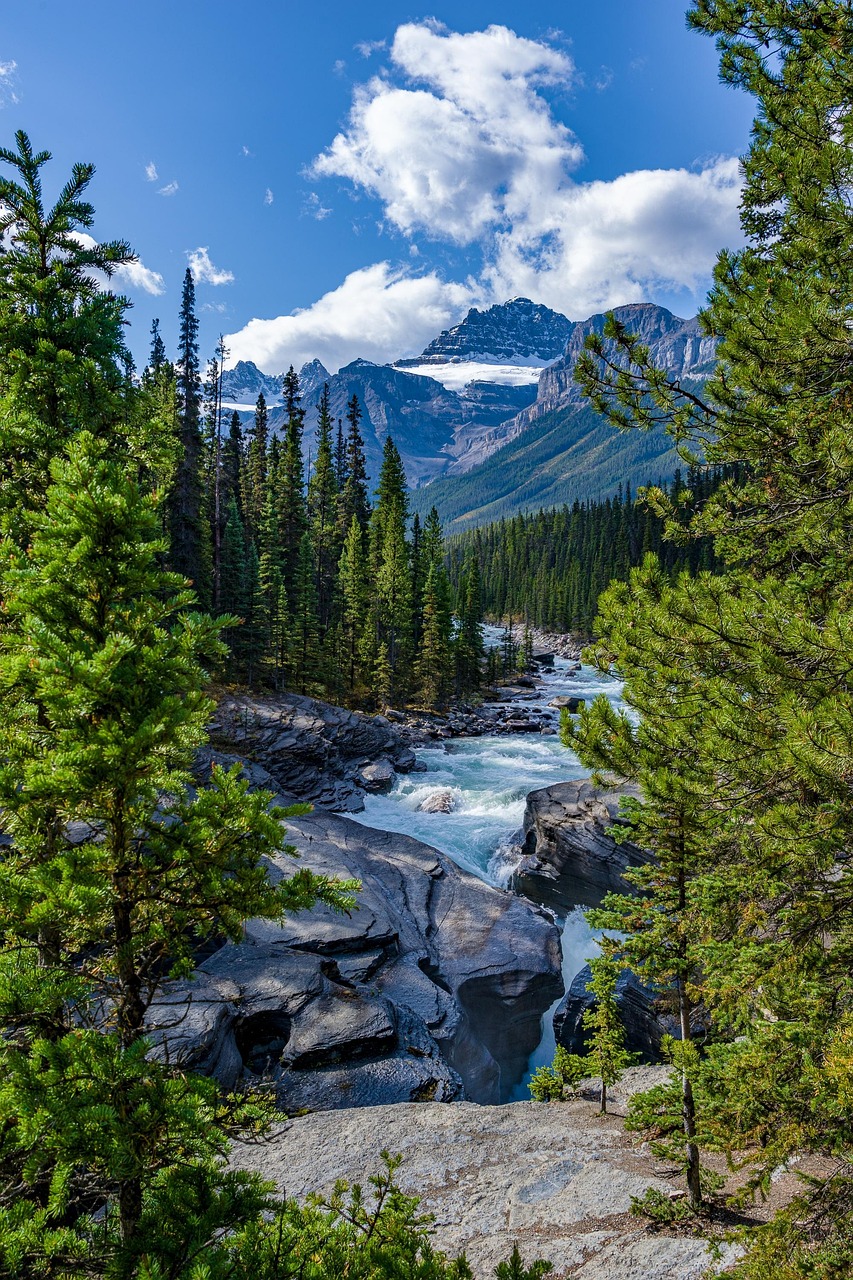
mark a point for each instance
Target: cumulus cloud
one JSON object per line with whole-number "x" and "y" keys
{"x": 169, "y": 189}
{"x": 204, "y": 272}
{"x": 380, "y": 312}
{"x": 151, "y": 173}
{"x": 268, "y": 196}
{"x": 469, "y": 149}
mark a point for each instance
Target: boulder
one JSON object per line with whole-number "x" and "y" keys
{"x": 568, "y": 856}
{"x": 557, "y": 1179}
{"x": 432, "y": 984}
{"x": 440, "y": 801}
{"x": 377, "y": 776}
{"x": 571, "y": 704}
{"x": 313, "y": 751}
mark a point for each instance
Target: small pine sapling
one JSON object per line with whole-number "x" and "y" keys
{"x": 606, "y": 1056}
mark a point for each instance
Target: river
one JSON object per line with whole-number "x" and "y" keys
{"x": 489, "y": 779}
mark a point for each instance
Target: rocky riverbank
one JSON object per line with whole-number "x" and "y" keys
{"x": 434, "y": 984}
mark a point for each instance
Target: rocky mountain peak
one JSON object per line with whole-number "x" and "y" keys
{"x": 510, "y": 332}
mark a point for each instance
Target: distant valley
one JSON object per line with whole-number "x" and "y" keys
{"x": 488, "y": 419}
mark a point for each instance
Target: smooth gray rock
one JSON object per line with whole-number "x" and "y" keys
{"x": 554, "y": 1178}
{"x": 313, "y": 751}
{"x": 568, "y": 857}
{"x": 377, "y": 776}
{"x": 434, "y": 980}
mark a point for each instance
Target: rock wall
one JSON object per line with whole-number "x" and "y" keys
{"x": 568, "y": 857}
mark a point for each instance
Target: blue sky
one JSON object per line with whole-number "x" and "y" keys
{"x": 347, "y": 179}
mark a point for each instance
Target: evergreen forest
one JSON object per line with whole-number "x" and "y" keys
{"x": 550, "y": 568}
{"x": 150, "y": 551}
{"x": 331, "y": 590}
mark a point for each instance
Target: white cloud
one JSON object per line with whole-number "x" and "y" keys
{"x": 245, "y": 150}
{"x": 203, "y": 269}
{"x": 315, "y": 207}
{"x": 368, "y": 47}
{"x": 151, "y": 173}
{"x": 467, "y": 149}
{"x": 379, "y": 313}
{"x": 169, "y": 189}
{"x": 8, "y": 83}
{"x": 471, "y": 149}
{"x": 133, "y": 275}
{"x": 137, "y": 276}
{"x": 268, "y": 196}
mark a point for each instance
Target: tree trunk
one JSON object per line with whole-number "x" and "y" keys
{"x": 688, "y": 1108}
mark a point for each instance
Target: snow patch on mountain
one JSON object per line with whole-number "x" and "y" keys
{"x": 455, "y": 375}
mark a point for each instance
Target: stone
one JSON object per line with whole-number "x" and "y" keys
{"x": 554, "y": 1178}
{"x": 568, "y": 857}
{"x": 376, "y": 777}
{"x": 440, "y": 801}
{"x": 432, "y": 984}
{"x": 312, "y": 750}
{"x": 571, "y": 704}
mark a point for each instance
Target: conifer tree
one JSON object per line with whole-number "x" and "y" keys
{"x": 189, "y": 551}
{"x": 606, "y": 1055}
{"x": 322, "y": 515}
{"x": 468, "y": 642}
{"x": 290, "y": 487}
{"x": 353, "y": 491}
{"x": 54, "y": 317}
{"x": 355, "y": 606}
{"x": 256, "y": 468}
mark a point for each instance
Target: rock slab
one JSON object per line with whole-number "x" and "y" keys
{"x": 553, "y": 1178}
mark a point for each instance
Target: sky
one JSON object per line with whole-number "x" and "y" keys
{"x": 345, "y": 180}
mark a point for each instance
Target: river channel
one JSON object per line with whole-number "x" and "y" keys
{"x": 489, "y": 779}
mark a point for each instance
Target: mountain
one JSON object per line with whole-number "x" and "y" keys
{"x": 512, "y": 333}
{"x": 558, "y": 449}
{"x": 436, "y": 430}
{"x": 242, "y": 385}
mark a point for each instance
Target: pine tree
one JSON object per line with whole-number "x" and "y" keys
{"x": 433, "y": 670}
{"x": 468, "y": 642}
{"x": 189, "y": 553}
{"x": 353, "y": 491}
{"x": 256, "y": 468}
{"x": 290, "y": 487}
{"x": 66, "y": 333}
{"x": 322, "y": 516}
{"x": 606, "y": 1055}
{"x": 355, "y": 607}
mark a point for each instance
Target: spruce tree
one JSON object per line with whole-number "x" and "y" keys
{"x": 322, "y": 516}
{"x": 353, "y": 491}
{"x": 189, "y": 549}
